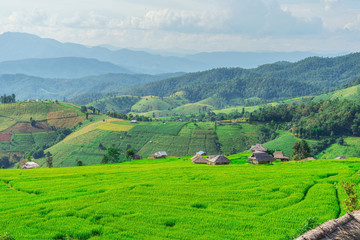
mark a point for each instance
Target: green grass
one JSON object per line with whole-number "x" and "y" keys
{"x": 351, "y": 93}
{"x": 351, "y": 148}
{"x": 236, "y": 138}
{"x": 285, "y": 142}
{"x": 172, "y": 198}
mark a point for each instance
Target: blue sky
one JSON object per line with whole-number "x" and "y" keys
{"x": 199, "y": 25}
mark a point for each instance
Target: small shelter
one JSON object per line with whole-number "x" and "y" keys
{"x": 281, "y": 156}
{"x": 30, "y": 165}
{"x": 346, "y": 227}
{"x": 260, "y": 158}
{"x": 341, "y": 157}
{"x": 201, "y": 153}
{"x": 161, "y": 154}
{"x": 133, "y": 121}
{"x": 136, "y": 157}
{"x": 218, "y": 160}
{"x": 258, "y": 148}
{"x": 308, "y": 159}
{"x": 198, "y": 159}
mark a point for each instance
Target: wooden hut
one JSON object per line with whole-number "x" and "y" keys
{"x": 160, "y": 154}
{"x": 136, "y": 157}
{"x": 308, "y": 159}
{"x": 218, "y": 160}
{"x": 198, "y": 159}
{"x": 341, "y": 157}
{"x": 30, "y": 165}
{"x": 133, "y": 121}
{"x": 346, "y": 227}
{"x": 258, "y": 148}
{"x": 201, "y": 153}
{"x": 281, "y": 156}
{"x": 260, "y": 158}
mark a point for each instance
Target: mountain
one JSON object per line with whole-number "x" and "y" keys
{"x": 66, "y": 67}
{"x": 25, "y": 87}
{"x": 20, "y": 46}
{"x": 272, "y": 81}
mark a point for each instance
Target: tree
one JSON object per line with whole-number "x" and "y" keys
{"x": 32, "y": 122}
{"x": 130, "y": 153}
{"x": 301, "y": 150}
{"x": 112, "y": 156}
{"x": 28, "y": 157}
{"x": 49, "y": 162}
{"x": 83, "y": 109}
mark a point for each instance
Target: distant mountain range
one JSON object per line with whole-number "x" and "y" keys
{"x": 66, "y": 67}
{"x": 84, "y": 89}
{"x": 28, "y": 48}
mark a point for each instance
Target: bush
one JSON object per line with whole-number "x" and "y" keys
{"x": 6, "y": 236}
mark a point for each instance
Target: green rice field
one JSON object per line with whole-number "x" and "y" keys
{"x": 172, "y": 199}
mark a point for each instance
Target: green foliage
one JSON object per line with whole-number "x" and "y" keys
{"x": 113, "y": 155}
{"x": 352, "y": 201}
{"x": 301, "y": 150}
{"x": 6, "y": 236}
{"x": 308, "y": 225}
{"x": 49, "y": 162}
{"x": 130, "y": 153}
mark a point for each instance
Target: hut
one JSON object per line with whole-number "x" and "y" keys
{"x": 30, "y": 165}
{"x": 341, "y": 157}
{"x": 133, "y": 121}
{"x": 260, "y": 158}
{"x": 258, "y": 148}
{"x": 346, "y": 227}
{"x": 308, "y": 159}
{"x": 136, "y": 157}
{"x": 218, "y": 160}
{"x": 198, "y": 159}
{"x": 281, "y": 156}
{"x": 201, "y": 153}
{"x": 161, "y": 154}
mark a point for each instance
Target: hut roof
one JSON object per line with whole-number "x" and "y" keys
{"x": 345, "y": 228}
{"x": 280, "y": 155}
{"x": 199, "y": 159}
{"x": 219, "y": 159}
{"x": 258, "y": 148}
{"x": 200, "y": 153}
{"x": 341, "y": 157}
{"x": 261, "y": 157}
{"x": 29, "y": 165}
{"x": 308, "y": 159}
{"x": 160, "y": 154}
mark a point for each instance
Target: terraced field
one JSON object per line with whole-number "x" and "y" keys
{"x": 172, "y": 198}
{"x": 18, "y": 135}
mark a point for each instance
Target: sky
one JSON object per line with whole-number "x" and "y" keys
{"x": 192, "y": 25}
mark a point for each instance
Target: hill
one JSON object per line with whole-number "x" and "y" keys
{"x": 273, "y": 81}
{"x": 33, "y": 127}
{"x": 173, "y": 198}
{"x": 80, "y": 90}
{"x": 89, "y": 144}
{"x": 67, "y": 67}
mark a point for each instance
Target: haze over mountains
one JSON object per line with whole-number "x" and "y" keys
{"x": 20, "y": 46}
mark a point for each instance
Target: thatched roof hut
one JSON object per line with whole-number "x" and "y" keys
{"x": 260, "y": 158}
{"x": 258, "y": 148}
{"x": 346, "y": 227}
{"x": 161, "y": 154}
{"x": 308, "y": 159}
{"x": 30, "y": 165}
{"x": 281, "y": 156}
{"x": 201, "y": 153}
{"x": 219, "y": 160}
{"x": 341, "y": 157}
{"x": 198, "y": 159}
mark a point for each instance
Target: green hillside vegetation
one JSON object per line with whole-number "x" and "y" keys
{"x": 33, "y": 127}
{"x": 172, "y": 198}
{"x": 89, "y": 143}
{"x": 352, "y": 93}
{"x": 350, "y": 148}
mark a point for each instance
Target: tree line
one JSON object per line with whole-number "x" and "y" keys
{"x": 8, "y": 98}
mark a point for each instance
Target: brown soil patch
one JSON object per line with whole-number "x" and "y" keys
{"x": 5, "y": 137}
{"x": 68, "y": 122}
{"x": 24, "y": 127}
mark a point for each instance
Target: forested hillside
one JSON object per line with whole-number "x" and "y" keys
{"x": 272, "y": 81}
